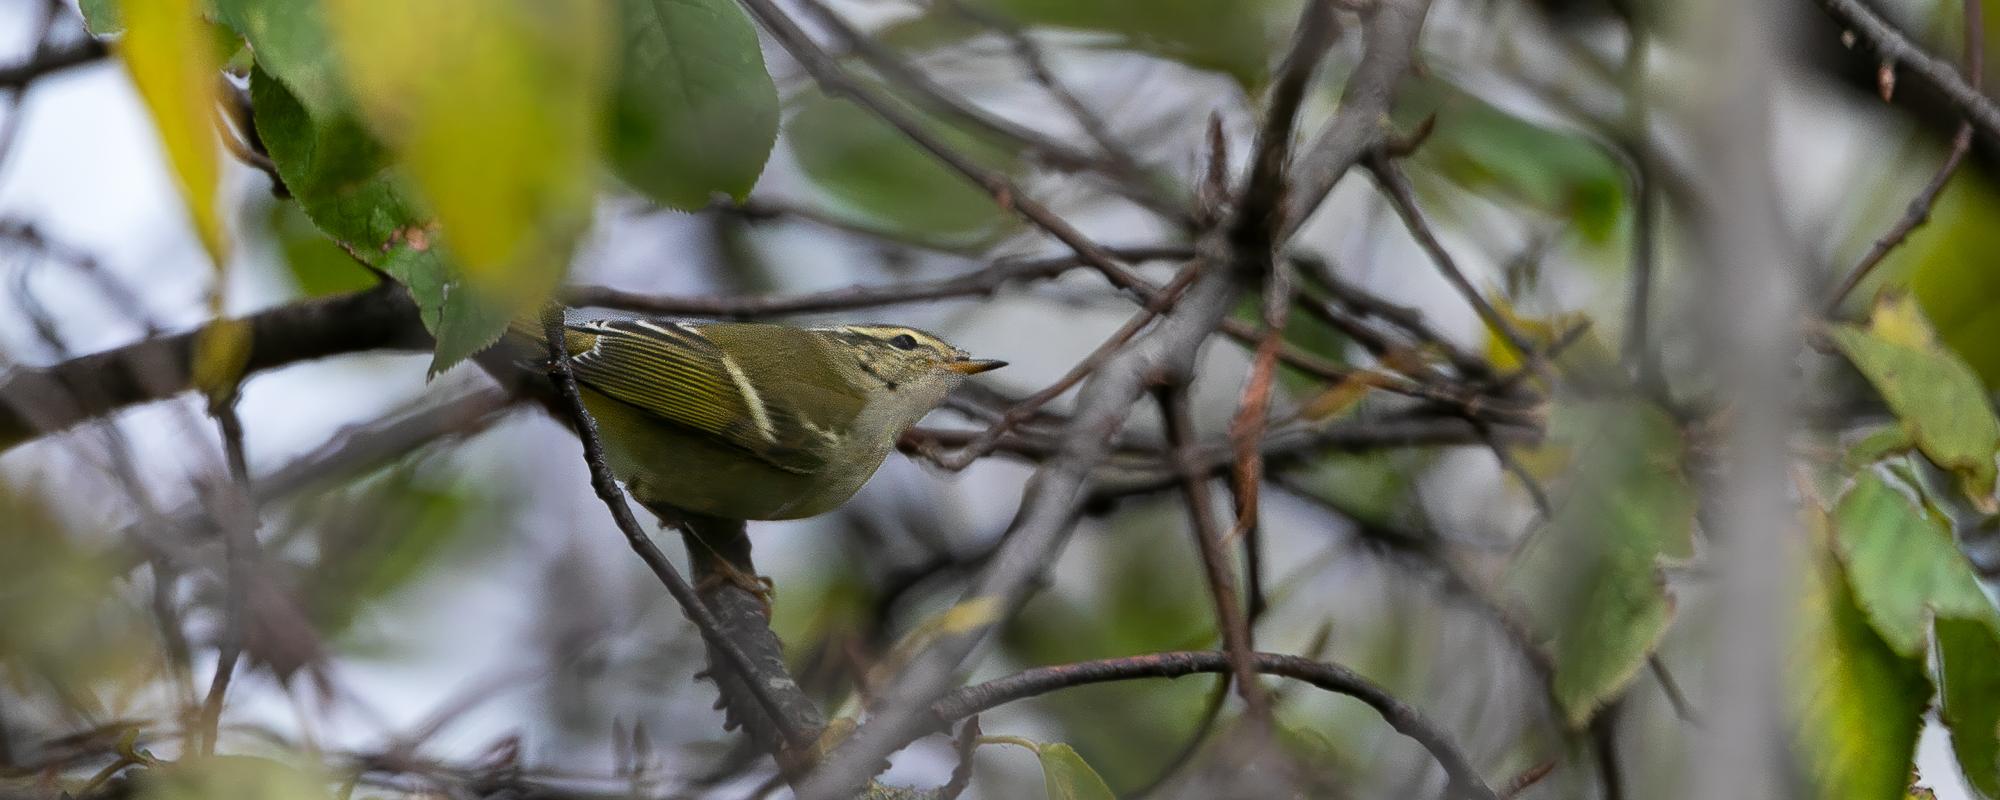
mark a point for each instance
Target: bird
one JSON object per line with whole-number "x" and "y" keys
{"x": 755, "y": 421}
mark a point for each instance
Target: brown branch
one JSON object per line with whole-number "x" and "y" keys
{"x": 1259, "y": 223}
{"x": 1253, "y": 409}
{"x": 1896, "y": 48}
{"x": 1919, "y": 210}
{"x": 40, "y": 401}
{"x": 1122, "y": 177}
{"x": 1028, "y": 407}
{"x": 761, "y": 686}
{"x": 1396, "y": 186}
{"x": 978, "y": 283}
{"x": 1060, "y": 488}
{"x": 19, "y": 76}
{"x": 1214, "y": 552}
{"x": 1403, "y": 717}
{"x": 837, "y": 83}
{"x": 1390, "y": 29}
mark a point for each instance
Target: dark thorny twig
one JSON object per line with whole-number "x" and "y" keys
{"x": 607, "y": 489}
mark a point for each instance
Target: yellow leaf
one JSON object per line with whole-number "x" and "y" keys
{"x": 171, "y": 56}
{"x": 221, "y": 351}
{"x": 493, "y": 105}
{"x": 1898, "y": 320}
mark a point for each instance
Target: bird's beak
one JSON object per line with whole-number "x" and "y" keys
{"x": 973, "y": 366}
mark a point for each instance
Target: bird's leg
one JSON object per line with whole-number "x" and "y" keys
{"x": 719, "y": 552}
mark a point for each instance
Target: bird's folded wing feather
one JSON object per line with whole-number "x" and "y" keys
{"x": 675, "y": 374}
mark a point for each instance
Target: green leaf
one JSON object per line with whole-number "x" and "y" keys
{"x": 1902, "y": 564}
{"x": 1930, "y": 388}
{"x": 101, "y": 17}
{"x": 493, "y": 110}
{"x": 1858, "y": 704}
{"x": 1590, "y": 584}
{"x": 1067, "y": 777}
{"x": 291, "y": 42}
{"x": 350, "y": 186}
{"x": 171, "y": 55}
{"x": 1226, "y": 36}
{"x": 694, "y": 111}
{"x": 219, "y": 777}
{"x": 860, "y": 162}
{"x": 1886, "y": 441}
{"x": 1948, "y": 265}
{"x": 378, "y": 535}
{"x": 315, "y": 262}
{"x": 1497, "y": 155}
{"x": 1968, "y": 651}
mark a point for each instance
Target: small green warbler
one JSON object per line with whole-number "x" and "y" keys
{"x": 754, "y": 421}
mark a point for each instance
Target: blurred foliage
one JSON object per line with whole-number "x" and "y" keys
{"x": 1146, "y": 597}
{"x": 889, "y": 182}
{"x": 66, "y": 629}
{"x": 316, "y": 264}
{"x": 172, "y": 57}
{"x": 224, "y": 777}
{"x": 1948, "y": 265}
{"x": 351, "y": 187}
{"x": 1969, "y": 696}
{"x": 1590, "y": 585}
{"x": 1902, "y": 565}
{"x": 1227, "y": 36}
{"x": 1939, "y": 399}
{"x": 379, "y": 534}
{"x": 1503, "y": 158}
{"x": 693, "y": 112}
{"x": 1858, "y": 703}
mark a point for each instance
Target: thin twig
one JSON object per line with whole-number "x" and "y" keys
{"x": 1122, "y": 178}
{"x": 1258, "y": 228}
{"x": 978, "y": 283}
{"x": 1396, "y": 186}
{"x": 1682, "y": 708}
{"x": 1214, "y": 551}
{"x": 1895, "y": 47}
{"x": 614, "y": 499}
{"x": 86, "y": 51}
{"x": 836, "y": 82}
{"x": 1919, "y": 210}
{"x": 1403, "y": 717}
{"x": 1253, "y": 409}
{"x": 1028, "y": 407}
{"x": 236, "y": 516}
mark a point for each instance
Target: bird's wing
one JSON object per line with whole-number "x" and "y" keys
{"x": 674, "y": 373}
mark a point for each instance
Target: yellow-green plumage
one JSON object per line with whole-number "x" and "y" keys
{"x": 753, "y": 421}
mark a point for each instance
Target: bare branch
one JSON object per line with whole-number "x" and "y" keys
{"x": 1894, "y": 47}
{"x": 38, "y": 402}
{"x": 1405, "y": 718}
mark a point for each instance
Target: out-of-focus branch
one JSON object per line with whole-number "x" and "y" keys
{"x": 1405, "y": 718}
{"x": 978, "y": 283}
{"x": 1919, "y": 210}
{"x": 86, "y": 51}
{"x": 836, "y": 82}
{"x": 1056, "y": 496}
{"x": 40, "y": 401}
{"x": 1390, "y": 29}
{"x": 1214, "y": 552}
{"x": 1120, "y": 176}
{"x": 1897, "y": 49}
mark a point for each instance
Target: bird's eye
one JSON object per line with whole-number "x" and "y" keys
{"x": 904, "y": 342}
